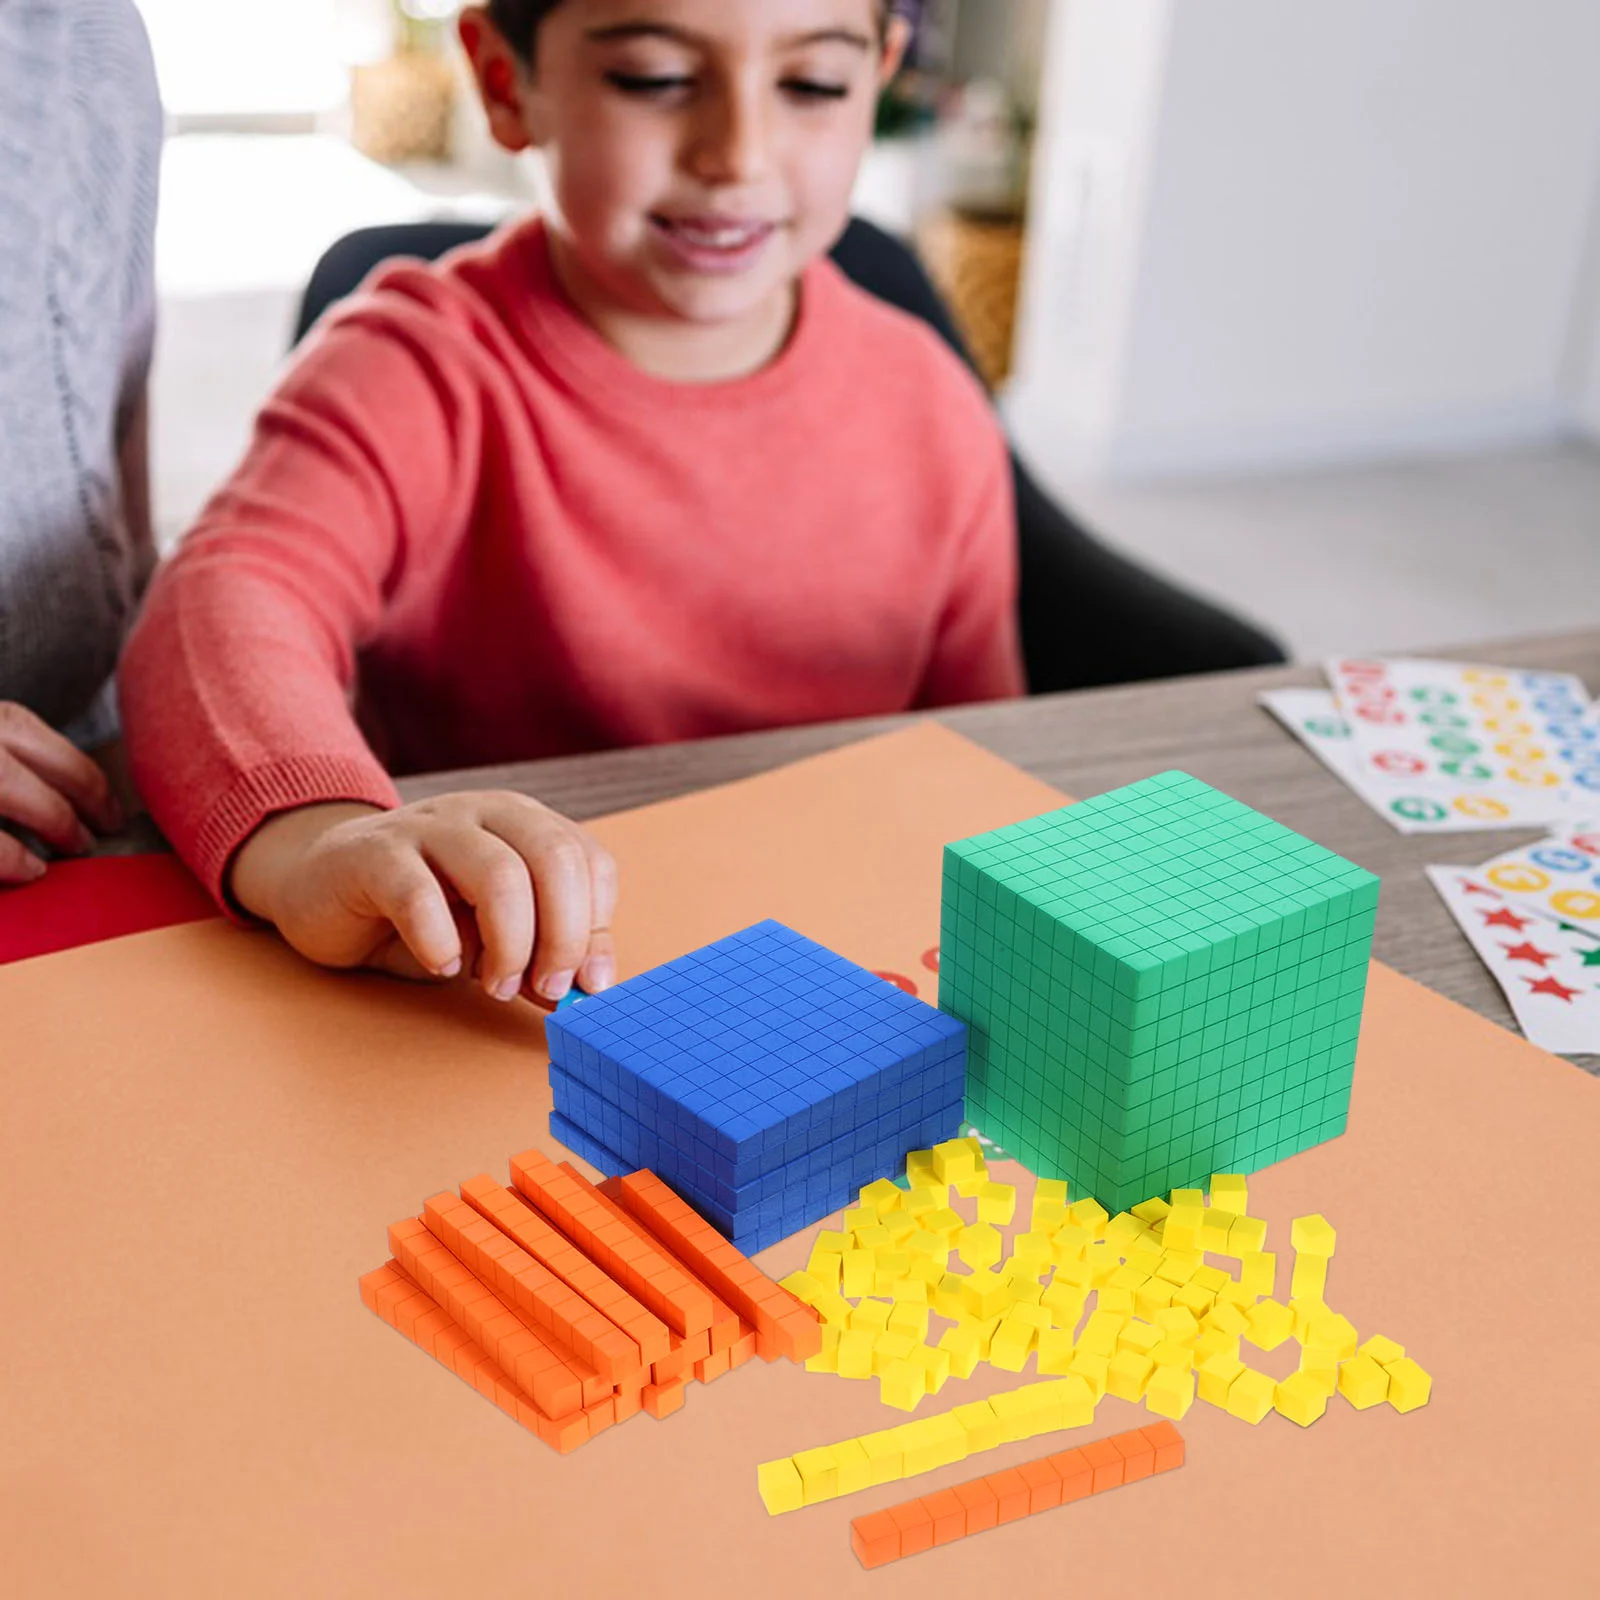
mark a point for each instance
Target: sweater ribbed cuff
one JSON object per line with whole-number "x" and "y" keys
{"x": 273, "y": 788}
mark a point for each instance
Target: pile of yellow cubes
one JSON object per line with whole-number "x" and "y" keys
{"x": 1135, "y": 1304}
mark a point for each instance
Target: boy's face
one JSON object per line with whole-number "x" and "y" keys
{"x": 701, "y": 152}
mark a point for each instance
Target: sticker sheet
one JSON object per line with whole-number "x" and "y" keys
{"x": 1512, "y": 748}
{"x": 1549, "y": 972}
{"x": 1559, "y": 877}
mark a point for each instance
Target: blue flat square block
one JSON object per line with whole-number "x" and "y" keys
{"x": 756, "y": 1050}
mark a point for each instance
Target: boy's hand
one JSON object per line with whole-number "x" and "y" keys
{"x": 50, "y": 788}
{"x": 491, "y": 879}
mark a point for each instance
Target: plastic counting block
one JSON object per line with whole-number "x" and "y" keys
{"x": 1217, "y": 1376}
{"x": 1300, "y": 1398}
{"x": 780, "y": 1486}
{"x": 1170, "y": 1392}
{"x": 997, "y": 1203}
{"x": 763, "y": 1077}
{"x": 1409, "y": 1385}
{"x": 902, "y": 1384}
{"x": 1309, "y": 1279}
{"x": 1382, "y": 1350}
{"x": 1250, "y": 1396}
{"x": 1182, "y": 930}
{"x": 1033, "y": 1489}
{"x": 1312, "y": 1236}
{"x": 1229, "y": 1192}
{"x": 1363, "y": 1382}
{"x": 954, "y": 1161}
{"x": 1246, "y": 1236}
{"x": 1269, "y": 1324}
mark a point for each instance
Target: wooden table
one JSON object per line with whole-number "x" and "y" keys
{"x": 1093, "y": 740}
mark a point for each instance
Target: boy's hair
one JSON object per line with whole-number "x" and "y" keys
{"x": 518, "y": 20}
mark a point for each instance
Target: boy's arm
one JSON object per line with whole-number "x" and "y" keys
{"x": 977, "y": 653}
{"x": 236, "y": 683}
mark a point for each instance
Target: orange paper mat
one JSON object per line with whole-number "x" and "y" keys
{"x": 202, "y": 1141}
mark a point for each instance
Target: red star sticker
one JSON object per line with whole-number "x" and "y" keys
{"x": 1505, "y": 917}
{"x": 1477, "y": 888}
{"x": 1527, "y": 951}
{"x": 1552, "y": 986}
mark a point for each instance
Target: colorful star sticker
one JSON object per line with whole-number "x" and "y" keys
{"x": 1505, "y": 917}
{"x": 1552, "y": 986}
{"x": 1591, "y": 958}
{"x": 1528, "y": 951}
{"x": 1477, "y": 888}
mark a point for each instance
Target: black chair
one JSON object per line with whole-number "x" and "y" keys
{"x": 1088, "y": 616}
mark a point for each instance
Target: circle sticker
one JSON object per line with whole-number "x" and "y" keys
{"x": 1489, "y": 700}
{"x": 1515, "y": 878}
{"x": 1555, "y": 859}
{"x": 1328, "y": 728}
{"x": 1430, "y": 694}
{"x": 1485, "y": 676}
{"x": 1573, "y": 732}
{"x": 1467, "y": 771}
{"x": 904, "y": 984}
{"x": 1388, "y": 716}
{"x": 1556, "y": 705}
{"x": 1583, "y": 903}
{"x": 930, "y": 959}
{"x": 1415, "y": 809}
{"x": 1589, "y": 778}
{"x": 1482, "y": 807}
{"x": 1444, "y": 719}
{"x": 1534, "y": 777}
{"x": 1455, "y": 744}
{"x": 1521, "y": 750}
{"x": 1399, "y": 763}
{"x": 1512, "y": 727}
{"x": 1587, "y": 841}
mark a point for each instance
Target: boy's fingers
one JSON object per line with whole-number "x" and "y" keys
{"x": 599, "y": 969}
{"x": 407, "y": 894}
{"x": 18, "y": 864}
{"x": 554, "y": 851}
{"x": 491, "y": 876}
{"x": 26, "y": 799}
{"x": 60, "y": 764}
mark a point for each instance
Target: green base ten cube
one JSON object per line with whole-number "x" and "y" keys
{"x": 1159, "y": 984}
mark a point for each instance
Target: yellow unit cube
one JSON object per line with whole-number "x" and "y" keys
{"x": 860, "y": 1217}
{"x": 1015, "y": 1412}
{"x": 1140, "y": 1336}
{"x": 1382, "y": 1350}
{"x": 860, "y": 1274}
{"x": 901, "y": 1225}
{"x": 1055, "y": 1353}
{"x": 985, "y": 1294}
{"x": 947, "y": 1299}
{"x": 1183, "y": 1229}
{"x": 1212, "y": 1278}
{"x": 1126, "y": 1277}
{"x": 1268, "y": 1324}
{"x": 930, "y": 1269}
{"x": 919, "y": 1168}
{"x": 1153, "y": 1296}
{"x": 1109, "y": 1298}
{"x": 888, "y": 1348}
{"x": 1068, "y": 1243}
{"x": 981, "y": 1426}
{"x": 832, "y": 1239}
{"x": 1320, "y": 1367}
{"x": 1229, "y": 1192}
{"x": 1024, "y": 1291}
{"x": 1093, "y": 1369}
{"x": 1333, "y": 1332}
{"x": 1246, "y": 1236}
{"x": 827, "y": 1357}
{"x": 1235, "y": 1294}
{"x": 1075, "y": 1275}
{"x": 882, "y": 1195}
{"x": 1409, "y": 1385}
{"x": 1035, "y": 1315}
{"x": 1123, "y": 1229}
{"x": 1170, "y": 1392}
{"x": 876, "y": 1238}
{"x": 804, "y": 1287}
{"x": 819, "y": 1474}
{"x": 1033, "y": 1251}
{"x": 1210, "y": 1342}
{"x": 911, "y": 1289}
{"x": 1077, "y": 1400}
{"x": 1258, "y": 1271}
{"x": 872, "y": 1315}
{"x": 892, "y": 1265}
{"x": 825, "y": 1269}
{"x": 855, "y": 1470}
{"x": 924, "y": 1449}
{"x": 1049, "y": 1209}
{"x": 1099, "y": 1336}
{"x": 1312, "y": 1236}
{"x": 1309, "y": 1280}
{"x": 979, "y": 1245}
{"x": 1169, "y": 1353}
{"x": 961, "y": 1345}
{"x": 1215, "y": 1376}
{"x": 1215, "y": 1230}
{"x": 1195, "y": 1300}
{"x": 855, "y": 1352}
{"x": 1089, "y": 1213}
{"x": 935, "y": 1366}
{"x": 1227, "y": 1317}
{"x": 901, "y": 1385}
{"x": 1011, "y": 1345}
{"x": 1177, "y": 1267}
{"x": 997, "y": 1202}
{"x": 946, "y": 1222}
{"x": 1177, "y": 1323}
{"x": 953, "y": 1161}
{"x": 780, "y": 1486}
{"x": 928, "y": 1245}
{"x": 1188, "y": 1197}
{"x": 924, "y": 1199}
{"x": 1102, "y": 1260}
{"x": 1300, "y": 1398}
{"x": 1363, "y": 1382}
{"x": 1127, "y": 1373}
{"x": 987, "y": 1328}
{"x": 833, "y": 1308}
{"x": 1250, "y": 1396}
{"x": 885, "y": 1457}
{"x": 1306, "y": 1312}
{"x": 910, "y": 1319}
{"x": 1151, "y": 1211}
{"x": 1064, "y": 1302}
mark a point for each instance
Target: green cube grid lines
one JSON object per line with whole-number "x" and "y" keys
{"x": 1159, "y": 984}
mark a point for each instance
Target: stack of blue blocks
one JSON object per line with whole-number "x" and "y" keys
{"x": 764, "y": 1078}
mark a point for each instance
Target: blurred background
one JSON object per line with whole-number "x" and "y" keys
{"x": 1297, "y": 301}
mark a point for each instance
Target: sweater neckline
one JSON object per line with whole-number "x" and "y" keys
{"x": 564, "y": 336}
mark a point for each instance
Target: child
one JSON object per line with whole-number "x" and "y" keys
{"x": 650, "y": 469}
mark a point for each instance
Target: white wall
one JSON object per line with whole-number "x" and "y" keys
{"x": 1360, "y": 230}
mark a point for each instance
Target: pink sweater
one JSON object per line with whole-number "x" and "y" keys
{"x": 470, "y": 519}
